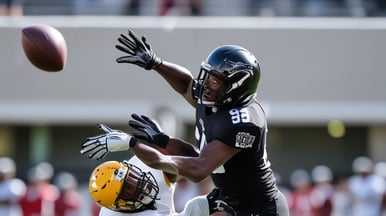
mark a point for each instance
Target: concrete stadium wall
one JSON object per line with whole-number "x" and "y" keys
{"x": 313, "y": 70}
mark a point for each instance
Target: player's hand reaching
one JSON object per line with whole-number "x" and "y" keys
{"x": 148, "y": 130}
{"x": 97, "y": 147}
{"x": 138, "y": 51}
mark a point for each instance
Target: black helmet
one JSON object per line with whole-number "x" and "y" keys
{"x": 237, "y": 68}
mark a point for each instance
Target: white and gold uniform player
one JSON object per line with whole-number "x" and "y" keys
{"x": 132, "y": 188}
{"x": 141, "y": 201}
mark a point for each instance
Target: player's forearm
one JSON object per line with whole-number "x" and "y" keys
{"x": 179, "y": 147}
{"x": 179, "y": 165}
{"x": 179, "y": 78}
{"x": 155, "y": 159}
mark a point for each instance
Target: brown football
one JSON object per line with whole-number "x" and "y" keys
{"x": 45, "y": 47}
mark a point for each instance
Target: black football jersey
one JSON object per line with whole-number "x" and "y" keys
{"x": 247, "y": 177}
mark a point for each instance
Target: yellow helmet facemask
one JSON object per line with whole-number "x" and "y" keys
{"x": 123, "y": 187}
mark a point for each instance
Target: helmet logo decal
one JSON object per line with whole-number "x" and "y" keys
{"x": 119, "y": 174}
{"x": 241, "y": 81}
{"x": 237, "y": 68}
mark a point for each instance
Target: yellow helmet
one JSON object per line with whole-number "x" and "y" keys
{"x": 123, "y": 187}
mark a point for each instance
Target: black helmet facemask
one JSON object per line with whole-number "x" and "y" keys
{"x": 233, "y": 80}
{"x": 239, "y": 71}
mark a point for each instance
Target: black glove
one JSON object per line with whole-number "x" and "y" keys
{"x": 218, "y": 203}
{"x": 148, "y": 130}
{"x": 140, "y": 52}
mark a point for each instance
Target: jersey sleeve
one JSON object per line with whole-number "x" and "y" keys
{"x": 241, "y": 136}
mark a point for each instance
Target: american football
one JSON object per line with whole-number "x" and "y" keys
{"x": 45, "y": 47}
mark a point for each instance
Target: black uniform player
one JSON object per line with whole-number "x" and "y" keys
{"x": 230, "y": 128}
{"x": 237, "y": 120}
{"x": 246, "y": 179}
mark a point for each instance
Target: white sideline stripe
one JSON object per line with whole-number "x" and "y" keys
{"x": 79, "y": 112}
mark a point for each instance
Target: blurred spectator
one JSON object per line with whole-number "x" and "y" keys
{"x": 360, "y": 8}
{"x": 195, "y": 7}
{"x": 322, "y": 177}
{"x": 366, "y": 187}
{"x": 286, "y": 191}
{"x": 319, "y": 8}
{"x": 41, "y": 193}
{"x": 180, "y": 7}
{"x": 11, "y": 188}
{"x": 341, "y": 199}
{"x": 100, "y": 7}
{"x": 380, "y": 170}
{"x": 132, "y": 7}
{"x": 284, "y": 8}
{"x": 11, "y": 7}
{"x": 380, "y": 8}
{"x": 69, "y": 201}
{"x": 95, "y": 209}
{"x": 303, "y": 201}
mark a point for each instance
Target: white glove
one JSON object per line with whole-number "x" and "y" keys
{"x": 114, "y": 140}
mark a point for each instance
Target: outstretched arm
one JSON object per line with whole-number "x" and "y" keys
{"x": 211, "y": 157}
{"x": 195, "y": 168}
{"x": 179, "y": 147}
{"x": 139, "y": 52}
{"x": 179, "y": 78}
{"x": 186, "y": 161}
{"x": 150, "y": 132}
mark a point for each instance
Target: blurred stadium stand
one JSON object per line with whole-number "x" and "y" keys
{"x": 48, "y": 7}
{"x": 297, "y": 8}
